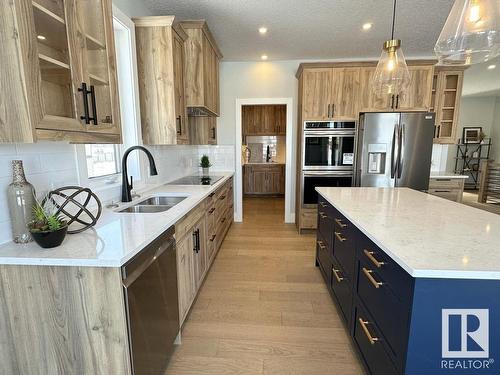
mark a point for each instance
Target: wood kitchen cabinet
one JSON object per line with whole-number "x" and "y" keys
{"x": 201, "y": 69}
{"x": 446, "y": 94}
{"x": 330, "y": 93}
{"x": 202, "y": 130}
{"x": 58, "y": 62}
{"x": 264, "y": 119}
{"x": 264, "y": 179}
{"x": 160, "y": 66}
{"x": 185, "y": 275}
{"x": 199, "y": 236}
{"x": 417, "y": 96}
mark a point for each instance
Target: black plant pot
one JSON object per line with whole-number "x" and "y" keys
{"x": 50, "y": 239}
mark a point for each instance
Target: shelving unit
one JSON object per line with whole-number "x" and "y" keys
{"x": 446, "y": 93}
{"x": 468, "y": 161}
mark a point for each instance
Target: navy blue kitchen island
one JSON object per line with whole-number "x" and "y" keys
{"x": 418, "y": 294}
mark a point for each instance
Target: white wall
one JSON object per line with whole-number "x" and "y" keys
{"x": 474, "y": 111}
{"x": 252, "y": 80}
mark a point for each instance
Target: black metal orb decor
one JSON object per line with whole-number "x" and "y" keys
{"x": 72, "y": 202}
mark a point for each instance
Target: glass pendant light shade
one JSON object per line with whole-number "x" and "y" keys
{"x": 471, "y": 33}
{"x": 392, "y": 75}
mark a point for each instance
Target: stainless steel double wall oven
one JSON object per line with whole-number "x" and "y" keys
{"x": 328, "y": 153}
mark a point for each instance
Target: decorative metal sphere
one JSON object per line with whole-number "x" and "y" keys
{"x": 72, "y": 202}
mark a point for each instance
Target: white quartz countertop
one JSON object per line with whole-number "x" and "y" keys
{"x": 448, "y": 175}
{"x": 426, "y": 235}
{"x": 117, "y": 237}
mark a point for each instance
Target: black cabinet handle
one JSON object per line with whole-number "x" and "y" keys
{"x": 196, "y": 239}
{"x": 213, "y": 133}
{"x": 392, "y": 101}
{"x": 179, "y": 125}
{"x": 397, "y": 101}
{"x": 211, "y": 211}
{"x": 195, "y": 243}
{"x": 212, "y": 238}
{"x": 85, "y": 94}
{"x": 94, "y": 107}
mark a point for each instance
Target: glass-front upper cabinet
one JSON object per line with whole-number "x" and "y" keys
{"x": 95, "y": 23}
{"x": 60, "y": 68}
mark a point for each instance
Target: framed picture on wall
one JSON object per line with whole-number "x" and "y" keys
{"x": 472, "y": 134}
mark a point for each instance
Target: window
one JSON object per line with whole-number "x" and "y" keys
{"x": 102, "y": 160}
{"x": 100, "y": 164}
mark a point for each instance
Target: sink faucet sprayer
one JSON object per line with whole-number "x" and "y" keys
{"x": 126, "y": 187}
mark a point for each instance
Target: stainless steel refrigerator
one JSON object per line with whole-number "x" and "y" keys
{"x": 395, "y": 149}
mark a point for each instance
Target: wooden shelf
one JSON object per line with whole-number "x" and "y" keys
{"x": 93, "y": 43}
{"x": 99, "y": 81}
{"x": 48, "y": 63}
{"x": 54, "y": 71}
{"x": 48, "y": 13}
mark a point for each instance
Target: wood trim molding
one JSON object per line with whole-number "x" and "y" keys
{"x": 354, "y": 64}
{"x": 151, "y": 21}
{"x": 202, "y": 24}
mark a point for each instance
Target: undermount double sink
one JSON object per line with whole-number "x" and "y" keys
{"x": 154, "y": 204}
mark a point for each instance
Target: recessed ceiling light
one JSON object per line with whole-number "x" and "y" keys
{"x": 263, "y": 57}
{"x": 41, "y": 37}
{"x": 491, "y": 67}
{"x": 367, "y": 26}
{"x": 263, "y": 30}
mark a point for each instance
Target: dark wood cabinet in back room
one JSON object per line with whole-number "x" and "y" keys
{"x": 264, "y": 179}
{"x": 264, "y": 119}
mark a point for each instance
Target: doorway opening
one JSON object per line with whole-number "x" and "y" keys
{"x": 263, "y": 166}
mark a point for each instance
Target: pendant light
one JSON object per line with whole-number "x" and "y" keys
{"x": 471, "y": 33}
{"x": 392, "y": 75}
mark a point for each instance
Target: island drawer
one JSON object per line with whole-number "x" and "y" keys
{"x": 325, "y": 224}
{"x": 341, "y": 284}
{"x": 445, "y": 183}
{"x": 371, "y": 345}
{"x": 344, "y": 250}
{"x": 390, "y": 313}
{"x": 323, "y": 258}
{"x": 395, "y": 278}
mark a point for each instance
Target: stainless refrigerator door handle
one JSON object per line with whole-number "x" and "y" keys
{"x": 401, "y": 148}
{"x": 393, "y": 151}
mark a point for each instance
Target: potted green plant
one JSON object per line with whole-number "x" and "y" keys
{"x": 47, "y": 228}
{"x": 205, "y": 165}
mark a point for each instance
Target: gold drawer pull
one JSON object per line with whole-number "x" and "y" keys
{"x": 336, "y": 274}
{"x": 368, "y": 274}
{"x": 322, "y": 204}
{"x": 370, "y": 256}
{"x": 321, "y": 245}
{"x": 340, "y": 223}
{"x": 339, "y": 237}
{"x": 369, "y": 336}
{"x": 322, "y": 215}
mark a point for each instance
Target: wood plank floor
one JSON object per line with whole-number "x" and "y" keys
{"x": 264, "y": 308}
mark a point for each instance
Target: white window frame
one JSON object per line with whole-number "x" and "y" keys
{"x": 128, "y": 89}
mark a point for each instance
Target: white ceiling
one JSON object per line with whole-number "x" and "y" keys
{"x": 312, "y": 29}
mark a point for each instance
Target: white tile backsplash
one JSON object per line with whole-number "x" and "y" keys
{"x": 49, "y": 165}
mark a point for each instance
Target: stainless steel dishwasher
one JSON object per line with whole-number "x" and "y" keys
{"x": 150, "y": 284}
